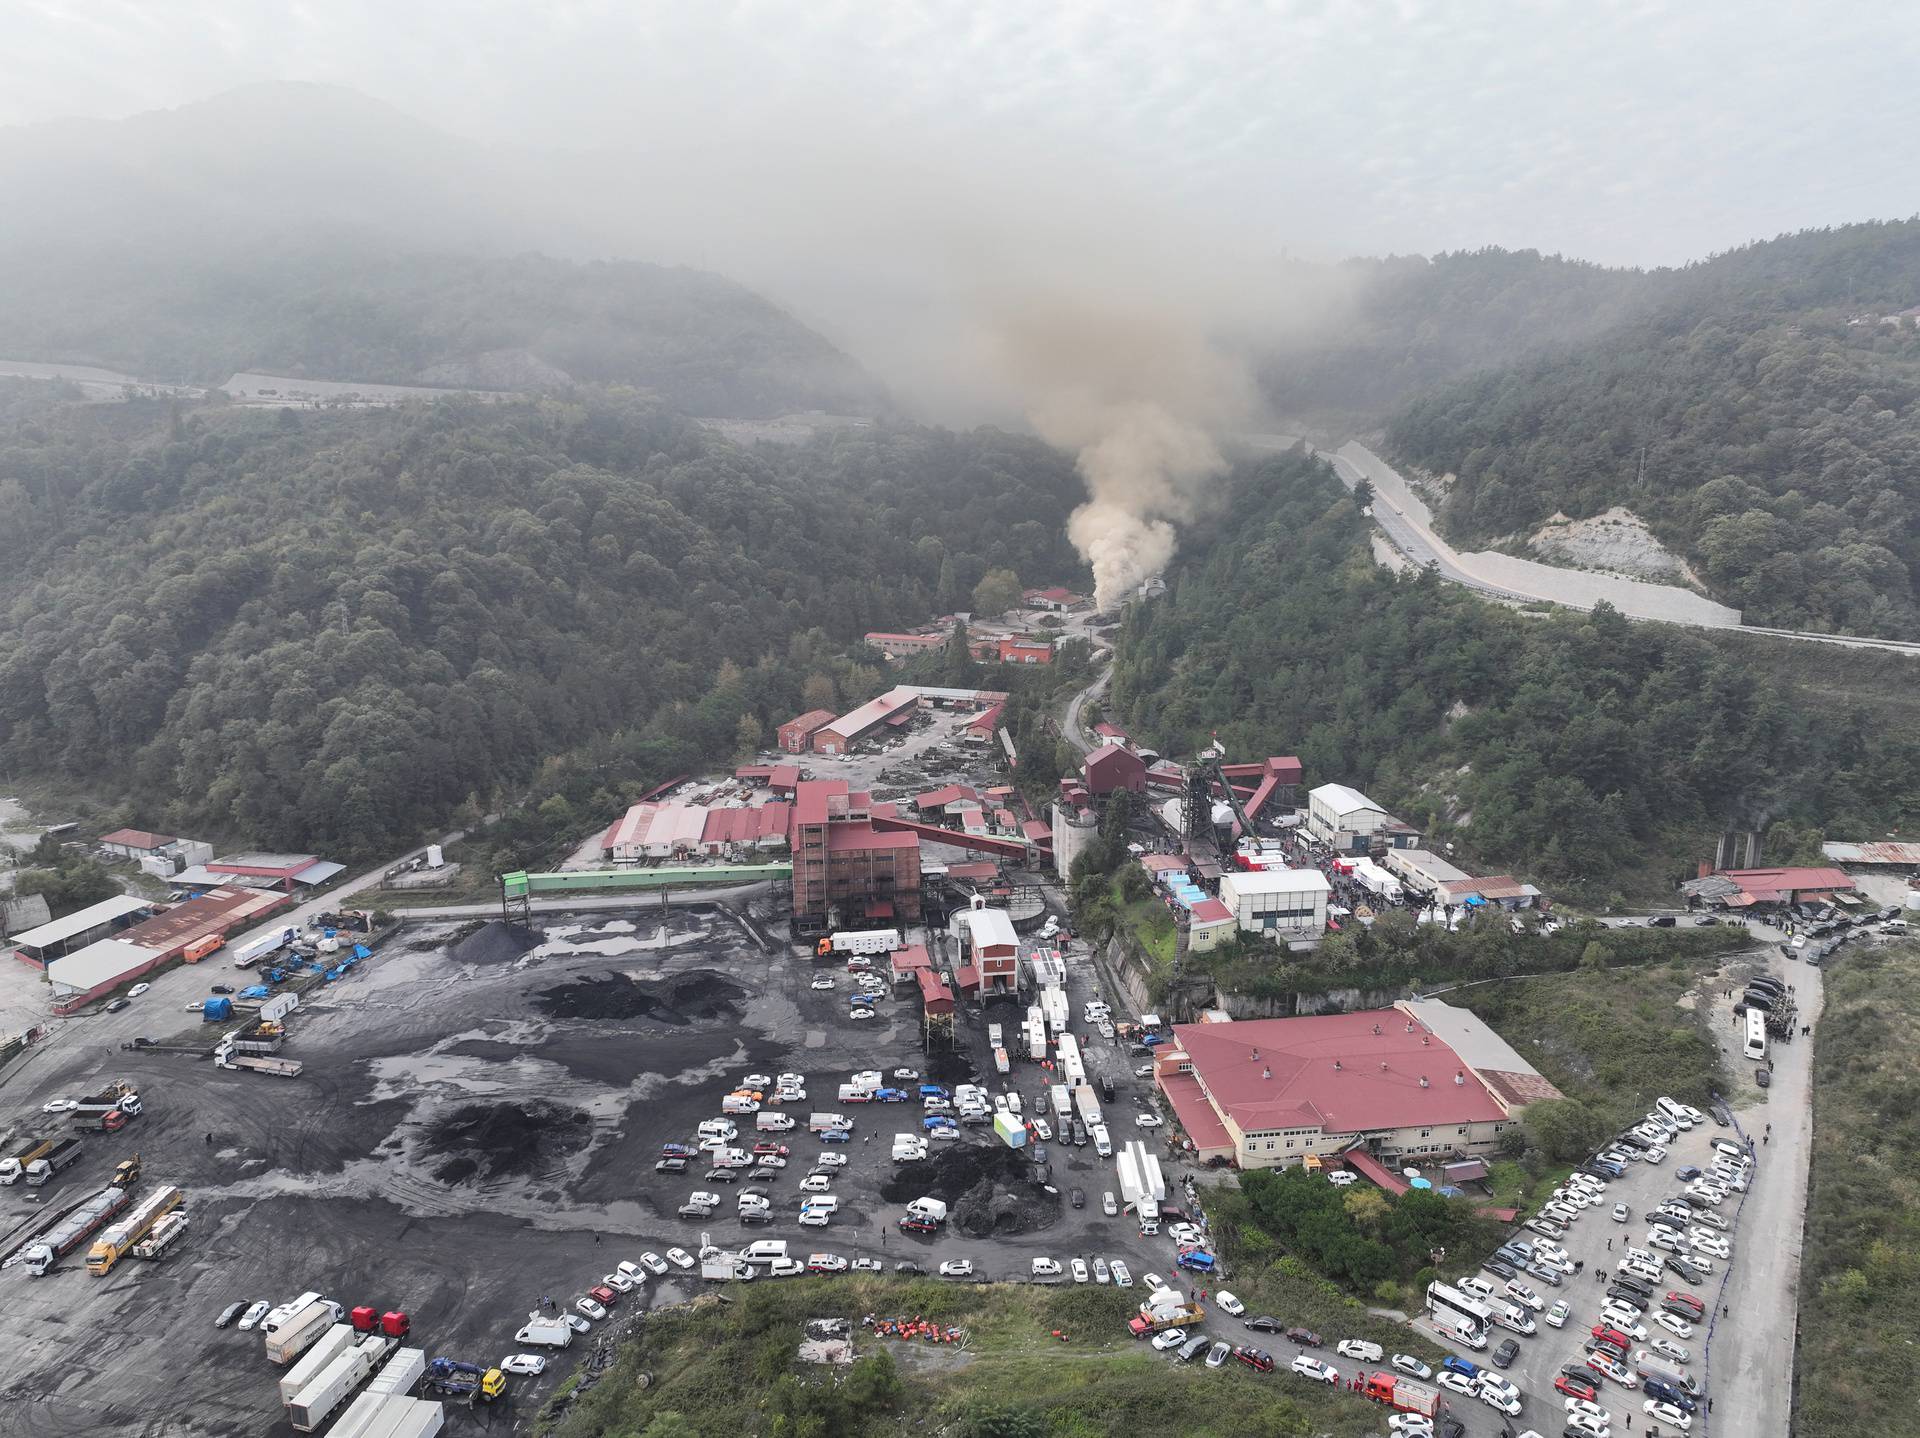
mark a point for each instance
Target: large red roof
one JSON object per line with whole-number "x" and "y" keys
{"x": 810, "y": 799}
{"x": 842, "y": 838}
{"x": 137, "y": 839}
{"x": 1279, "y": 1073}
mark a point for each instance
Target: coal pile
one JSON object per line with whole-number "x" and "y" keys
{"x": 680, "y": 1000}
{"x": 494, "y": 942}
{"x": 495, "y": 1140}
{"x": 953, "y": 1066}
{"x": 989, "y": 1188}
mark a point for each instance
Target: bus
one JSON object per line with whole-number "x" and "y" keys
{"x": 1453, "y": 1309}
{"x": 1756, "y": 1034}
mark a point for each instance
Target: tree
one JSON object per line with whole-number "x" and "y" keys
{"x": 996, "y": 593}
{"x": 1367, "y": 1207}
{"x": 747, "y": 735}
{"x": 669, "y": 1425}
{"x": 818, "y": 693}
{"x": 1563, "y": 1129}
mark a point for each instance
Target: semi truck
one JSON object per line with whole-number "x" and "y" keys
{"x": 260, "y": 1064}
{"x": 120, "y": 1094}
{"x": 1403, "y": 1394}
{"x": 15, "y": 1163}
{"x": 325, "y": 1343}
{"x": 52, "y": 1161}
{"x": 296, "y": 1332}
{"x": 1087, "y": 1104}
{"x": 1072, "y": 1067}
{"x": 316, "y": 1403}
{"x": 110, "y": 1120}
{"x": 118, "y": 1240}
{"x": 73, "y": 1230}
{"x": 166, "y": 1235}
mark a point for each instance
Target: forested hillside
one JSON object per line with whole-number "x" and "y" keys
{"x": 1761, "y": 417}
{"x": 352, "y": 308}
{"x": 1584, "y": 750}
{"x": 329, "y": 629}
{"x": 1413, "y": 323}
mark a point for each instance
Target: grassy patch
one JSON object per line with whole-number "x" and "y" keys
{"x": 1861, "y": 1263}
{"x": 1152, "y": 925}
{"x": 723, "y": 1366}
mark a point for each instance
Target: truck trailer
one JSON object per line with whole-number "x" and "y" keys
{"x": 73, "y": 1230}
{"x": 1087, "y": 1104}
{"x": 866, "y": 941}
{"x": 389, "y": 1415}
{"x": 403, "y": 1370}
{"x": 301, "y": 1329}
{"x": 118, "y": 1240}
{"x": 15, "y": 1163}
{"x": 52, "y": 1161}
{"x": 166, "y": 1235}
{"x": 326, "y": 1342}
{"x": 261, "y": 1064}
{"x": 337, "y": 1381}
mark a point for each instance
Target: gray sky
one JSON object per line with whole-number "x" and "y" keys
{"x": 1637, "y": 133}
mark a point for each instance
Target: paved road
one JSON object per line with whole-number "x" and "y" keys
{"x": 1070, "y": 725}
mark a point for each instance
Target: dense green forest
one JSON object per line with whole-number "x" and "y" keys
{"x": 1858, "y": 1325}
{"x": 358, "y": 308}
{"x": 1589, "y": 752}
{"x": 1760, "y": 416}
{"x": 330, "y": 630}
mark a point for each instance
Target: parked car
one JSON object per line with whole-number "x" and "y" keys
{"x": 228, "y": 1314}
{"x": 1505, "y": 1353}
{"x": 1411, "y": 1366}
{"x": 1360, "y": 1348}
{"x": 957, "y": 1268}
{"x": 526, "y": 1365}
{"x": 1308, "y": 1366}
{"x": 1258, "y": 1359}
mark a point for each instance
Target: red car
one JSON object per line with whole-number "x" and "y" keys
{"x": 1575, "y": 1387}
{"x": 603, "y": 1295}
{"x": 778, "y": 1149}
{"x": 1612, "y": 1336}
{"x": 1688, "y": 1300}
{"x": 1258, "y": 1359}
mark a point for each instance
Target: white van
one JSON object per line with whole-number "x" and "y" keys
{"x": 1102, "y": 1144}
{"x": 718, "y": 1128}
{"x": 764, "y": 1250}
{"x": 772, "y": 1122}
{"x": 819, "y": 1203}
{"x": 739, "y": 1103}
{"x": 1895, "y": 926}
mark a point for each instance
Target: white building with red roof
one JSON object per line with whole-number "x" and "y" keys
{"x": 1413, "y": 1083}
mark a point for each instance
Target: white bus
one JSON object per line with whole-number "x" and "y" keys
{"x": 1454, "y": 1309}
{"x": 1756, "y": 1034}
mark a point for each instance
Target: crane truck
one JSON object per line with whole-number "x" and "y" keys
{"x": 73, "y": 1230}
{"x": 118, "y": 1241}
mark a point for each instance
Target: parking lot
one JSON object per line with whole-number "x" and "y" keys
{"x": 476, "y": 1128}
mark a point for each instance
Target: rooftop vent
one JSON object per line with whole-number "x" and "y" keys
{"x": 1461, "y": 1079}
{"x": 1266, "y": 1073}
{"x": 1336, "y": 1065}
{"x": 1423, "y": 1082}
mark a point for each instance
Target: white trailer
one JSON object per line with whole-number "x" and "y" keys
{"x": 406, "y": 1368}
{"x": 1087, "y": 1103}
{"x": 298, "y": 1332}
{"x": 259, "y": 1063}
{"x": 332, "y": 1342}
{"x": 166, "y": 1234}
{"x": 316, "y": 1403}
{"x": 1060, "y": 1097}
{"x": 1072, "y": 1067}
{"x": 866, "y": 941}
{"x": 408, "y": 1418}
{"x": 1142, "y": 1187}
{"x": 1036, "y": 1030}
{"x": 995, "y": 1037}
{"x": 1053, "y": 1003}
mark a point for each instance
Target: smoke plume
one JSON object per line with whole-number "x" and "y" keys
{"x": 1138, "y": 399}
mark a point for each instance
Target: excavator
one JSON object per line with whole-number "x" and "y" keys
{"x": 454, "y": 1379}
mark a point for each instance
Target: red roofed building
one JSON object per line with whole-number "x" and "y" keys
{"x": 1024, "y": 651}
{"x": 796, "y": 734}
{"x": 134, "y": 843}
{"x": 1786, "y": 886}
{"x": 844, "y": 870}
{"x": 1266, "y": 1093}
{"x": 849, "y": 729}
{"x": 980, "y": 730}
{"x": 935, "y": 996}
{"x": 1209, "y": 923}
{"x": 1054, "y": 598}
{"x": 1111, "y": 768}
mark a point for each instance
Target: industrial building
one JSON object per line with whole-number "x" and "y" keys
{"x": 161, "y": 855}
{"x": 796, "y": 735}
{"x": 1429, "y": 875}
{"x": 895, "y": 645}
{"x": 1419, "y": 1081}
{"x": 183, "y": 930}
{"x": 40, "y": 946}
{"x": 1768, "y": 888}
{"x": 844, "y": 870}
{"x": 893, "y": 710}
{"x": 1287, "y": 905}
{"x": 282, "y": 872}
{"x": 1054, "y": 598}
{"x": 134, "y": 844}
{"x": 1348, "y": 822}
{"x": 989, "y": 950}
{"x": 1113, "y": 767}
{"x": 666, "y": 831}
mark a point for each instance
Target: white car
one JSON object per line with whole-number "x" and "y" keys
{"x": 1307, "y": 1366}
{"x": 1148, "y": 1120}
{"x": 816, "y": 1183}
{"x": 1711, "y": 1220}
{"x": 1504, "y": 1400}
{"x": 1122, "y": 1275}
{"x": 1143, "y": 1070}
{"x": 957, "y": 1268}
{"x": 137, "y": 990}
{"x": 1359, "y": 1348}
{"x": 1169, "y": 1339}
{"x": 1408, "y": 1364}
{"x": 591, "y": 1309}
{"x": 1589, "y": 1409}
{"x": 1657, "y": 1154}
{"x": 1678, "y": 1327}
{"x": 1340, "y": 1178}
{"x": 59, "y": 1105}
{"x": 860, "y": 1013}
{"x": 1592, "y": 1427}
{"x": 830, "y": 1160}
{"x": 680, "y": 1258}
{"x": 653, "y": 1263}
{"x": 1476, "y": 1285}
{"x": 1667, "y": 1348}
{"x": 618, "y": 1282}
{"x": 1228, "y": 1304}
{"x": 195, "y": 1005}
{"x": 1457, "y": 1382}
{"x": 1526, "y": 1295}
{"x": 1557, "y": 1315}
{"x": 638, "y": 1274}
{"x": 251, "y": 1318}
{"x": 1414, "y": 1425}
{"x": 1621, "y": 1213}
{"x": 1042, "y": 1130}
{"x": 1619, "y": 1316}
{"x": 530, "y": 1365}
{"x": 1668, "y": 1414}
{"x": 577, "y": 1322}
{"x": 1079, "y": 1267}
{"x": 945, "y": 1135}
{"x": 826, "y": 1263}
{"x": 1046, "y": 1268}
{"x": 821, "y": 983}
{"x": 815, "y": 1218}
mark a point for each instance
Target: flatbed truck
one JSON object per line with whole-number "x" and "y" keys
{"x": 263, "y": 1064}
{"x": 166, "y": 1235}
{"x": 75, "y": 1229}
{"x": 118, "y": 1240}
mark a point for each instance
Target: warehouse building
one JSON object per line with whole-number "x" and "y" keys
{"x": 1348, "y": 822}
{"x": 796, "y": 735}
{"x": 135, "y": 844}
{"x": 892, "y": 710}
{"x": 893, "y": 646}
{"x": 1768, "y": 888}
{"x": 666, "y": 831}
{"x": 989, "y": 950}
{"x": 188, "y": 930}
{"x": 1287, "y": 905}
{"x": 1113, "y": 767}
{"x": 40, "y": 946}
{"x": 273, "y": 871}
{"x": 1417, "y": 1082}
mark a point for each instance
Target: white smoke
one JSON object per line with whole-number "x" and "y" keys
{"x": 1138, "y": 400}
